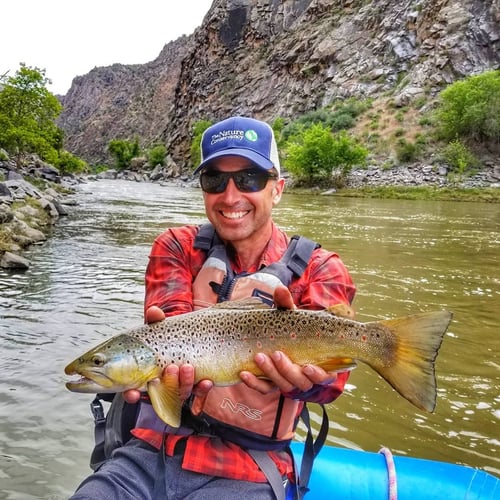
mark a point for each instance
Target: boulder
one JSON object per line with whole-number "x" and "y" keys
{"x": 13, "y": 261}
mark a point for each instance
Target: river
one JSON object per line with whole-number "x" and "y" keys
{"x": 86, "y": 284}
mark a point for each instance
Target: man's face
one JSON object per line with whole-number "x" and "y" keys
{"x": 238, "y": 216}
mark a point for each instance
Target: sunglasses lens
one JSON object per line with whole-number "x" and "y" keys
{"x": 251, "y": 181}
{"x": 213, "y": 181}
{"x": 247, "y": 181}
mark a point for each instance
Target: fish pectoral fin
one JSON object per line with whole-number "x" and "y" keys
{"x": 165, "y": 399}
{"x": 337, "y": 364}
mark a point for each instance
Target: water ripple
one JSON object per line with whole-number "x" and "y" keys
{"x": 86, "y": 284}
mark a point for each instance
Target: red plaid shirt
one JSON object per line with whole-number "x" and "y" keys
{"x": 173, "y": 265}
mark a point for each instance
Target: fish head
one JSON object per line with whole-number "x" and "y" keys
{"x": 119, "y": 364}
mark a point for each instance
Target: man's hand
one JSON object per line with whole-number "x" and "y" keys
{"x": 184, "y": 372}
{"x": 281, "y": 373}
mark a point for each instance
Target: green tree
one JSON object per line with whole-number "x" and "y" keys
{"x": 27, "y": 115}
{"x": 198, "y": 128}
{"x": 470, "y": 109}
{"x": 123, "y": 151}
{"x": 313, "y": 155}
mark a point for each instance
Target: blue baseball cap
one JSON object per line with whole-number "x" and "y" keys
{"x": 240, "y": 136}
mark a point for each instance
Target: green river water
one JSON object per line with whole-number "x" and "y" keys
{"x": 86, "y": 284}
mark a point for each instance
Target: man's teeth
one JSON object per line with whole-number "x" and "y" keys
{"x": 234, "y": 215}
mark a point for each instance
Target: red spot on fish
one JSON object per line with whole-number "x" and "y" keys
{"x": 363, "y": 338}
{"x": 271, "y": 337}
{"x": 293, "y": 335}
{"x": 259, "y": 344}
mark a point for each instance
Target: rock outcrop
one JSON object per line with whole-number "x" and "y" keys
{"x": 280, "y": 59}
{"x": 27, "y": 213}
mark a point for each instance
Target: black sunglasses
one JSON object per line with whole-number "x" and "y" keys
{"x": 247, "y": 181}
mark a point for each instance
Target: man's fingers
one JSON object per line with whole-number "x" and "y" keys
{"x": 317, "y": 375}
{"x": 279, "y": 371}
{"x": 186, "y": 381}
{"x": 261, "y": 385}
{"x": 132, "y": 396}
{"x": 282, "y": 298}
{"x": 154, "y": 314}
{"x": 202, "y": 388}
{"x": 292, "y": 373}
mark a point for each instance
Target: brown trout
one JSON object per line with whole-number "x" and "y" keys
{"x": 221, "y": 341}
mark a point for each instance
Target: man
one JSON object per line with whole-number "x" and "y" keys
{"x": 211, "y": 455}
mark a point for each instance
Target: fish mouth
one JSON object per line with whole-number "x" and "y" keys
{"x": 92, "y": 382}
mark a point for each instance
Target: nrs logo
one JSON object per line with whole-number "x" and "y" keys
{"x": 251, "y": 413}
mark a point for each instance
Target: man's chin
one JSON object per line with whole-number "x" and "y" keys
{"x": 231, "y": 230}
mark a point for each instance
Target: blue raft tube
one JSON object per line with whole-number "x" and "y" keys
{"x": 359, "y": 475}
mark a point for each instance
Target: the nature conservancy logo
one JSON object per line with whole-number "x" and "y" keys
{"x": 251, "y": 135}
{"x": 238, "y": 135}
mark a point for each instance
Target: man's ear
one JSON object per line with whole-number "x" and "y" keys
{"x": 278, "y": 190}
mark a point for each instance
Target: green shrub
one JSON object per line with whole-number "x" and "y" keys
{"x": 156, "y": 155}
{"x": 459, "y": 157}
{"x": 470, "y": 109}
{"x": 198, "y": 128}
{"x": 278, "y": 125}
{"x": 70, "y": 164}
{"x": 406, "y": 152}
{"x": 342, "y": 121}
{"x": 123, "y": 151}
{"x": 313, "y": 155}
{"x": 400, "y": 116}
{"x": 341, "y": 116}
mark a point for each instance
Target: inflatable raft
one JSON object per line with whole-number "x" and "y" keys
{"x": 358, "y": 475}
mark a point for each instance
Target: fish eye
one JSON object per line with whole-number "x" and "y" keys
{"x": 98, "y": 360}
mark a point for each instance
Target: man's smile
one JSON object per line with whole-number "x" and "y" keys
{"x": 234, "y": 215}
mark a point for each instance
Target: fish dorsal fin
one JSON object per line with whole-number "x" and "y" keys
{"x": 247, "y": 303}
{"x": 165, "y": 399}
{"x": 342, "y": 311}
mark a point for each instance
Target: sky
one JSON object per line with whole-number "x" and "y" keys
{"x": 69, "y": 38}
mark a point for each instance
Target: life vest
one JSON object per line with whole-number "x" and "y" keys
{"x": 238, "y": 413}
{"x": 246, "y": 425}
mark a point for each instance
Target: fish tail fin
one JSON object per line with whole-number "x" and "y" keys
{"x": 412, "y": 371}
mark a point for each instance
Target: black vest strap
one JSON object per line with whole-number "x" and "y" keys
{"x": 206, "y": 238}
{"x": 298, "y": 253}
{"x": 268, "y": 467}
{"x": 311, "y": 448}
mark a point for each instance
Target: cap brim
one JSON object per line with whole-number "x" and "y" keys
{"x": 254, "y": 157}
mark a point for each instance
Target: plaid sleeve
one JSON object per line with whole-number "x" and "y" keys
{"x": 325, "y": 282}
{"x": 168, "y": 277}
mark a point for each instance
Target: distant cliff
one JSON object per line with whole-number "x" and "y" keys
{"x": 269, "y": 58}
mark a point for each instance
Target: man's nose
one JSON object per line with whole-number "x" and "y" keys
{"x": 231, "y": 190}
